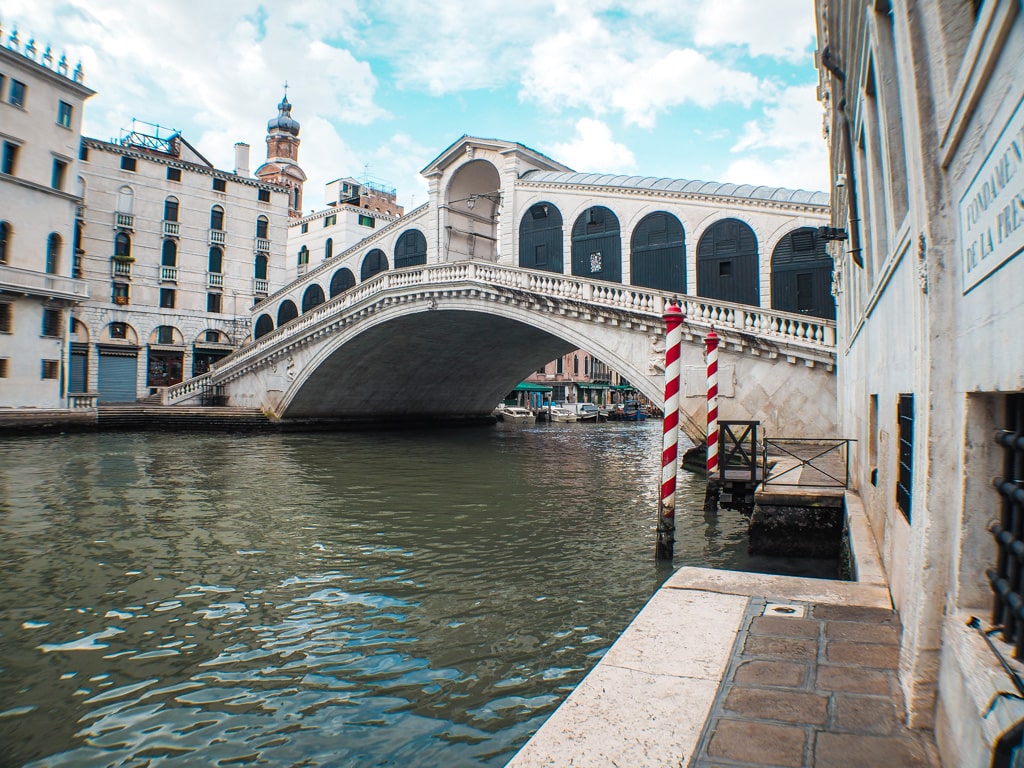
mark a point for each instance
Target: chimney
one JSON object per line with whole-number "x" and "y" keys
{"x": 242, "y": 159}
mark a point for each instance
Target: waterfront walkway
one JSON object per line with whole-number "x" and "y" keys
{"x": 725, "y": 669}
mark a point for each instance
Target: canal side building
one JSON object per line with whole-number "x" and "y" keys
{"x": 41, "y": 102}
{"x": 175, "y": 252}
{"x": 924, "y": 109}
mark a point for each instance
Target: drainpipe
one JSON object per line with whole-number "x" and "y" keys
{"x": 847, "y": 141}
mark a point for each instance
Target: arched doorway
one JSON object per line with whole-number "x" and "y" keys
{"x": 374, "y": 262}
{"x": 314, "y": 296}
{"x": 286, "y": 312}
{"x": 474, "y": 200}
{"x": 411, "y": 249}
{"x": 658, "y": 253}
{"x": 264, "y": 325}
{"x": 597, "y": 245}
{"x": 341, "y": 281}
{"x": 802, "y": 275}
{"x": 540, "y": 238}
{"x": 727, "y": 267}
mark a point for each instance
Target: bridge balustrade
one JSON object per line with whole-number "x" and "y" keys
{"x": 722, "y": 316}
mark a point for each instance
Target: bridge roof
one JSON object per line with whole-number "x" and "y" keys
{"x": 718, "y": 189}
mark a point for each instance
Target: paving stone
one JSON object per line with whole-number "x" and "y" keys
{"x": 863, "y": 654}
{"x": 865, "y": 714}
{"x": 854, "y": 680}
{"x": 781, "y": 647}
{"x": 788, "y": 706}
{"x": 855, "y": 613}
{"x": 844, "y": 750}
{"x": 787, "y": 674}
{"x": 758, "y": 743}
{"x": 860, "y": 632}
{"x": 775, "y": 625}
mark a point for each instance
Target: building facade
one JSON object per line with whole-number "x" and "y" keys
{"x": 924, "y": 108}
{"x": 41, "y": 104}
{"x": 175, "y": 253}
{"x": 355, "y": 210}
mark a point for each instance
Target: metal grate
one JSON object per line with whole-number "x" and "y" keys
{"x": 905, "y": 476}
{"x": 1007, "y": 578}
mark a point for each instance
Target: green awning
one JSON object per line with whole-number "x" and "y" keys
{"x": 623, "y": 386}
{"x": 527, "y": 386}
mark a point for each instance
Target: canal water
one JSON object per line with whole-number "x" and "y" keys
{"x": 381, "y": 598}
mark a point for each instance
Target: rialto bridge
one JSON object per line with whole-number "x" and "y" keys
{"x": 517, "y": 260}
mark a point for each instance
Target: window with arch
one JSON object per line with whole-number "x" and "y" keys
{"x": 374, "y": 262}
{"x": 727, "y": 263}
{"x": 597, "y": 245}
{"x": 313, "y": 297}
{"x": 54, "y": 244}
{"x": 215, "y": 262}
{"x": 286, "y": 312}
{"x": 560, "y": 365}
{"x": 125, "y": 200}
{"x": 217, "y": 217}
{"x": 411, "y": 249}
{"x": 122, "y": 246}
{"x": 262, "y": 227}
{"x": 575, "y": 365}
{"x": 802, "y": 275}
{"x": 303, "y": 255}
{"x": 5, "y": 240}
{"x": 260, "y": 270}
{"x": 540, "y": 238}
{"x": 329, "y": 248}
{"x": 658, "y": 253}
{"x": 341, "y": 281}
{"x": 171, "y": 209}
{"x": 264, "y": 325}
{"x": 169, "y": 254}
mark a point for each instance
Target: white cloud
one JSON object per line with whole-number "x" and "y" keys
{"x": 785, "y": 147}
{"x": 594, "y": 149}
{"x": 782, "y": 29}
{"x": 638, "y": 77}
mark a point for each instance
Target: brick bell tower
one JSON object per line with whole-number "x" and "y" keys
{"x": 282, "y": 166}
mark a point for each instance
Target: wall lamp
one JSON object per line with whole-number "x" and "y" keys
{"x": 829, "y": 234}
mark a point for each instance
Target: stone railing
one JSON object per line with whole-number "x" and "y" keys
{"x": 646, "y": 305}
{"x": 82, "y": 401}
{"x": 187, "y": 389}
{"x": 28, "y": 281}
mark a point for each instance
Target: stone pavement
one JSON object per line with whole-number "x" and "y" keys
{"x": 740, "y": 670}
{"x": 812, "y": 685}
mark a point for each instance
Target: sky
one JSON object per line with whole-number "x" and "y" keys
{"x": 717, "y": 90}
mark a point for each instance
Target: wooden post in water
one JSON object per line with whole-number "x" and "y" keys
{"x": 670, "y": 433}
{"x": 711, "y": 494}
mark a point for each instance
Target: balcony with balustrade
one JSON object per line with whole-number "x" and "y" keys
{"x": 218, "y": 237}
{"x": 168, "y": 274}
{"x": 261, "y": 287}
{"x": 214, "y": 280}
{"x": 124, "y": 221}
{"x": 121, "y": 267}
{"x": 172, "y": 229}
{"x": 262, "y": 245}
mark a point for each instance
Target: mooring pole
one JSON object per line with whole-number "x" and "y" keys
{"x": 670, "y": 433}
{"x": 711, "y": 494}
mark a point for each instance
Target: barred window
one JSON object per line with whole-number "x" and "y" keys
{"x": 1007, "y": 578}
{"x": 51, "y": 323}
{"x": 51, "y": 369}
{"x": 905, "y": 474}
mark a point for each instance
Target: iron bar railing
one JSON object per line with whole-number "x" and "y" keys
{"x": 807, "y": 461}
{"x": 1007, "y": 578}
{"x": 738, "y": 450}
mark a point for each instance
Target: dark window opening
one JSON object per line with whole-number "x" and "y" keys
{"x": 263, "y": 195}
{"x": 219, "y": 185}
{"x": 1007, "y": 578}
{"x": 725, "y": 269}
{"x": 118, "y": 331}
{"x": 52, "y": 323}
{"x": 171, "y": 209}
{"x": 167, "y": 298}
{"x": 128, "y": 164}
{"x": 905, "y": 474}
{"x": 174, "y": 174}
{"x": 213, "y": 302}
{"x": 164, "y": 334}
{"x": 10, "y": 158}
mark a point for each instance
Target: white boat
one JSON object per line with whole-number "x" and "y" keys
{"x": 518, "y": 415}
{"x": 563, "y": 416}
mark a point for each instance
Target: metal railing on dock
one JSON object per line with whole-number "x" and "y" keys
{"x": 798, "y": 461}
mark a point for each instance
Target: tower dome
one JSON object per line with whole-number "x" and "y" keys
{"x": 284, "y": 120}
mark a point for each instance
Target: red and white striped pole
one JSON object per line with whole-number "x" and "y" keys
{"x": 670, "y": 432}
{"x": 711, "y": 497}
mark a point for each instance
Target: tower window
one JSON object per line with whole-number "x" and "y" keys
{"x": 219, "y": 185}
{"x": 16, "y": 96}
{"x": 366, "y": 221}
{"x": 128, "y": 164}
{"x": 263, "y": 195}
{"x": 64, "y": 114}
{"x": 174, "y": 174}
